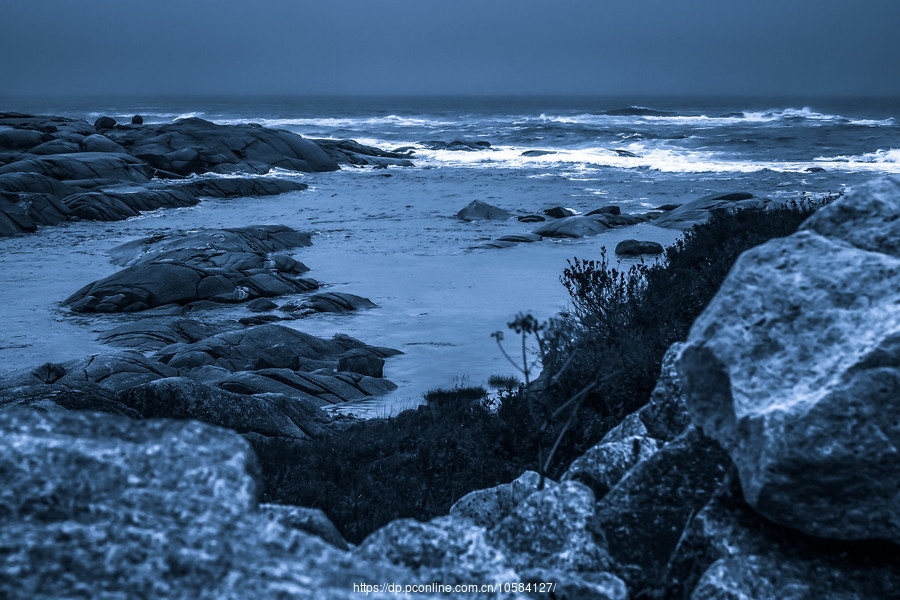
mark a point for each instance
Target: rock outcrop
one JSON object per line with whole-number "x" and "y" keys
{"x": 54, "y": 169}
{"x": 197, "y": 146}
{"x": 794, "y": 367}
{"x": 229, "y": 265}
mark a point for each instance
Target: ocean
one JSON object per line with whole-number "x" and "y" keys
{"x": 394, "y": 239}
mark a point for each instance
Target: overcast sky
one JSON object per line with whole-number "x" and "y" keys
{"x": 669, "y": 47}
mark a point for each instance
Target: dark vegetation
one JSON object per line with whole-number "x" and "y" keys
{"x": 600, "y": 363}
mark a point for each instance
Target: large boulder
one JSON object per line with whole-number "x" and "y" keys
{"x": 101, "y": 506}
{"x": 551, "y": 529}
{"x": 14, "y": 138}
{"x": 638, "y": 247}
{"x": 794, "y": 367}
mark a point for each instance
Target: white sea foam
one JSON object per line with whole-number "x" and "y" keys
{"x": 806, "y": 114}
{"x": 344, "y": 123}
{"x": 664, "y": 160}
{"x": 891, "y": 155}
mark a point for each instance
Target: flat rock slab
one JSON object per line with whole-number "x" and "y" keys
{"x": 84, "y": 165}
{"x": 270, "y": 415}
{"x": 261, "y": 239}
{"x": 229, "y": 265}
{"x": 117, "y": 371}
{"x": 264, "y": 346}
{"x": 159, "y": 332}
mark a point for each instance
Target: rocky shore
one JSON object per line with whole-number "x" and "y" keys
{"x": 54, "y": 169}
{"x": 764, "y": 465}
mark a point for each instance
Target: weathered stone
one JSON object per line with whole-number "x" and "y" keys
{"x": 311, "y": 520}
{"x": 605, "y": 210}
{"x": 156, "y": 333}
{"x": 258, "y": 347}
{"x": 50, "y": 397}
{"x": 217, "y": 265}
{"x": 489, "y": 506}
{"x": 447, "y": 549}
{"x": 638, "y": 247}
{"x": 84, "y": 165}
{"x": 643, "y": 516}
{"x": 795, "y": 368}
{"x": 550, "y": 529}
{"x": 117, "y": 371}
{"x": 574, "y": 227}
{"x": 354, "y": 153}
{"x": 261, "y": 239}
{"x": 100, "y": 143}
{"x": 729, "y": 529}
{"x": 329, "y": 302}
{"x": 560, "y": 212}
{"x": 197, "y": 146}
{"x": 666, "y": 414}
{"x": 697, "y": 211}
{"x": 104, "y": 123}
{"x": 270, "y": 415}
{"x": 100, "y": 506}
{"x": 14, "y": 138}
{"x": 364, "y": 363}
{"x": 477, "y": 210}
{"x": 601, "y": 467}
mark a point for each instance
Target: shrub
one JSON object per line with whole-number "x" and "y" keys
{"x": 609, "y": 348}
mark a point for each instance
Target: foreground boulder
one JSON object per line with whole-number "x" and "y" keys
{"x": 99, "y": 506}
{"x": 794, "y": 367}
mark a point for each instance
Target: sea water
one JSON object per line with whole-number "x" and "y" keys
{"x": 390, "y": 234}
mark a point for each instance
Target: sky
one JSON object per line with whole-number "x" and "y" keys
{"x": 458, "y": 47}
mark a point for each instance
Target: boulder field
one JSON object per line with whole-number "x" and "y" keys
{"x": 764, "y": 465}
{"x": 55, "y": 169}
